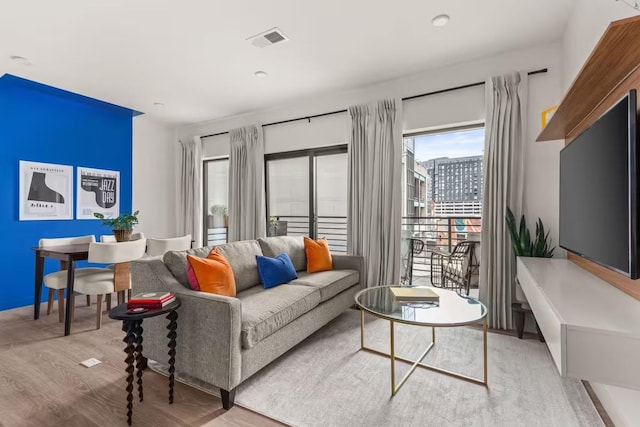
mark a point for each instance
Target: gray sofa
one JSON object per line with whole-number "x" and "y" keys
{"x": 222, "y": 340}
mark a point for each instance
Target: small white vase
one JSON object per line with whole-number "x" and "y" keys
{"x": 521, "y": 297}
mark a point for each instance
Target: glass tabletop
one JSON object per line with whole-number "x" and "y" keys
{"x": 452, "y": 309}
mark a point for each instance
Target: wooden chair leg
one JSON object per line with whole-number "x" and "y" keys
{"x": 49, "y": 301}
{"x": 108, "y": 298}
{"x": 88, "y": 300}
{"x": 61, "y": 305}
{"x": 73, "y": 305}
{"x": 128, "y": 294}
{"x": 99, "y": 312}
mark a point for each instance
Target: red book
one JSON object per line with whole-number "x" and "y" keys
{"x": 151, "y": 298}
{"x": 150, "y": 305}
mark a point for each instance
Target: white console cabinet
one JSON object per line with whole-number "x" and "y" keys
{"x": 592, "y": 329}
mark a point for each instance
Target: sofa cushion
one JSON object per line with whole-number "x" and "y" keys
{"x": 329, "y": 283}
{"x": 275, "y": 271}
{"x": 264, "y": 311}
{"x": 176, "y": 262}
{"x": 318, "y": 255}
{"x": 213, "y": 274}
{"x": 292, "y": 245}
{"x": 242, "y": 257}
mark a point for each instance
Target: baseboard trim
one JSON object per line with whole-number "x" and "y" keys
{"x": 599, "y": 406}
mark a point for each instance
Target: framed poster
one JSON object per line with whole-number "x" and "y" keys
{"x": 46, "y": 191}
{"x": 98, "y": 191}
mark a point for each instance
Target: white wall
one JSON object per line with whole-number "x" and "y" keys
{"x": 542, "y": 159}
{"x": 586, "y": 25}
{"x": 154, "y": 172}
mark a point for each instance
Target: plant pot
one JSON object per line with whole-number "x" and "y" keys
{"x": 122, "y": 235}
{"x": 521, "y": 297}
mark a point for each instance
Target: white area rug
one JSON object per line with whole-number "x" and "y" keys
{"x": 327, "y": 381}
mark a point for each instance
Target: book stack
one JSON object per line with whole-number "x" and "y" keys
{"x": 403, "y": 294}
{"x": 151, "y": 300}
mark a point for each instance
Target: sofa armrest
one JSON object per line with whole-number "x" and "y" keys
{"x": 349, "y": 262}
{"x": 208, "y": 342}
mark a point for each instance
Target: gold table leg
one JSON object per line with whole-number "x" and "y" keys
{"x": 392, "y": 350}
{"x": 484, "y": 347}
{"x": 417, "y": 363}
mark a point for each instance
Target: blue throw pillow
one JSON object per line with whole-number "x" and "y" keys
{"x": 275, "y": 271}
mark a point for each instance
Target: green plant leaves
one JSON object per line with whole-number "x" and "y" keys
{"x": 521, "y": 238}
{"x": 124, "y": 221}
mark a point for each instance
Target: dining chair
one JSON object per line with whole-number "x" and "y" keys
{"x": 101, "y": 281}
{"x": 61, "y": 285}
{"x": 110, "y": 238}
{"x": 157, "y": 247}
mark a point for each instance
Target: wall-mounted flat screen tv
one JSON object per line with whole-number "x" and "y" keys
{"x": 598, "y": 190}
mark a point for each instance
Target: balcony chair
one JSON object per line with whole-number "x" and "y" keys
{"x": 60, "y": 286}
{"x": 157, "y": 247}
{"x": 453, "y": 270}
{"x": 102, "y": 281}
{"x": 416, "y": 246}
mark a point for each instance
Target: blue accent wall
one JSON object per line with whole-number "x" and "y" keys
{"x": 44, "y": 124}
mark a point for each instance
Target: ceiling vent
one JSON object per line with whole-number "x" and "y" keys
{"x": 268, "y": 38}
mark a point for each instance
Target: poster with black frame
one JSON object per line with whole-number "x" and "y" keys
{"x": 46, "y": 191}
{"x": 98, "y": 191}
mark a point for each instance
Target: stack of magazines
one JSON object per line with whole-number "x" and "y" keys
{"x": 406, "y": 294}
{"x": 151, "y": 300}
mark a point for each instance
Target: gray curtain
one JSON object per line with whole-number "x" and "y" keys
{"x": 247, "y": 218}
{"x": 374, "y": 214}
{"x": 506, "y": 103}
{"x": 189, "y": 209}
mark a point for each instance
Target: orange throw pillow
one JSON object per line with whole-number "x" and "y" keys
{"x": 214, "y": 273}
{"x": 318, "y": 255}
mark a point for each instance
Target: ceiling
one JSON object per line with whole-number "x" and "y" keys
{"x": 193, "y": 56}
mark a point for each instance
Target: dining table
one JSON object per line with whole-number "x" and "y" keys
{"x": 68, "y": 256}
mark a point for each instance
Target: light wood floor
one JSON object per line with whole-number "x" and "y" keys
{"x": 43, "y": 384}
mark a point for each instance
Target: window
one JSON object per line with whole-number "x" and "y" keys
{"x": 451, "y": 159}
{"x": 307, "y": 194}
{"x": 215, "y": 201}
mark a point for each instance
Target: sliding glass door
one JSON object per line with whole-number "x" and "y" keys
{"x": 215, "y": 201}
{"x": 307, "y": 194}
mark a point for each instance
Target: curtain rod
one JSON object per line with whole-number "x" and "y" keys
{"x": 530, "y": 73}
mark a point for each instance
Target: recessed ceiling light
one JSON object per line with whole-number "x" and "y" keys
{"x": 260, "y": 74}
{"x": 440, "y": 20}
{"x": 20, "y": 59}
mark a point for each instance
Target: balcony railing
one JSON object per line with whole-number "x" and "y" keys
{"x": 332, "y": 228}
{"x": 439, "y": 233}
{"x": 217, "y": 236}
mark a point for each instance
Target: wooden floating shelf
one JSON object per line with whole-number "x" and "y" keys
{"x": 615, "y": 59}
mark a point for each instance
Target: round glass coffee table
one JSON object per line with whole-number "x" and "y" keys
{"x": 451, "y": 310}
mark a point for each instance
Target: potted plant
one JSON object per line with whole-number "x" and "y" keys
{"x": 276, "y": 227}
{"x": 522, "y": 244}
{"x": 220, "y": 216}
{"x": 122, "y": 226}
{"x": 273, "y": 226}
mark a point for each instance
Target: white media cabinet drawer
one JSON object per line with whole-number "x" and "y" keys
{"x": 591, "y": 328}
